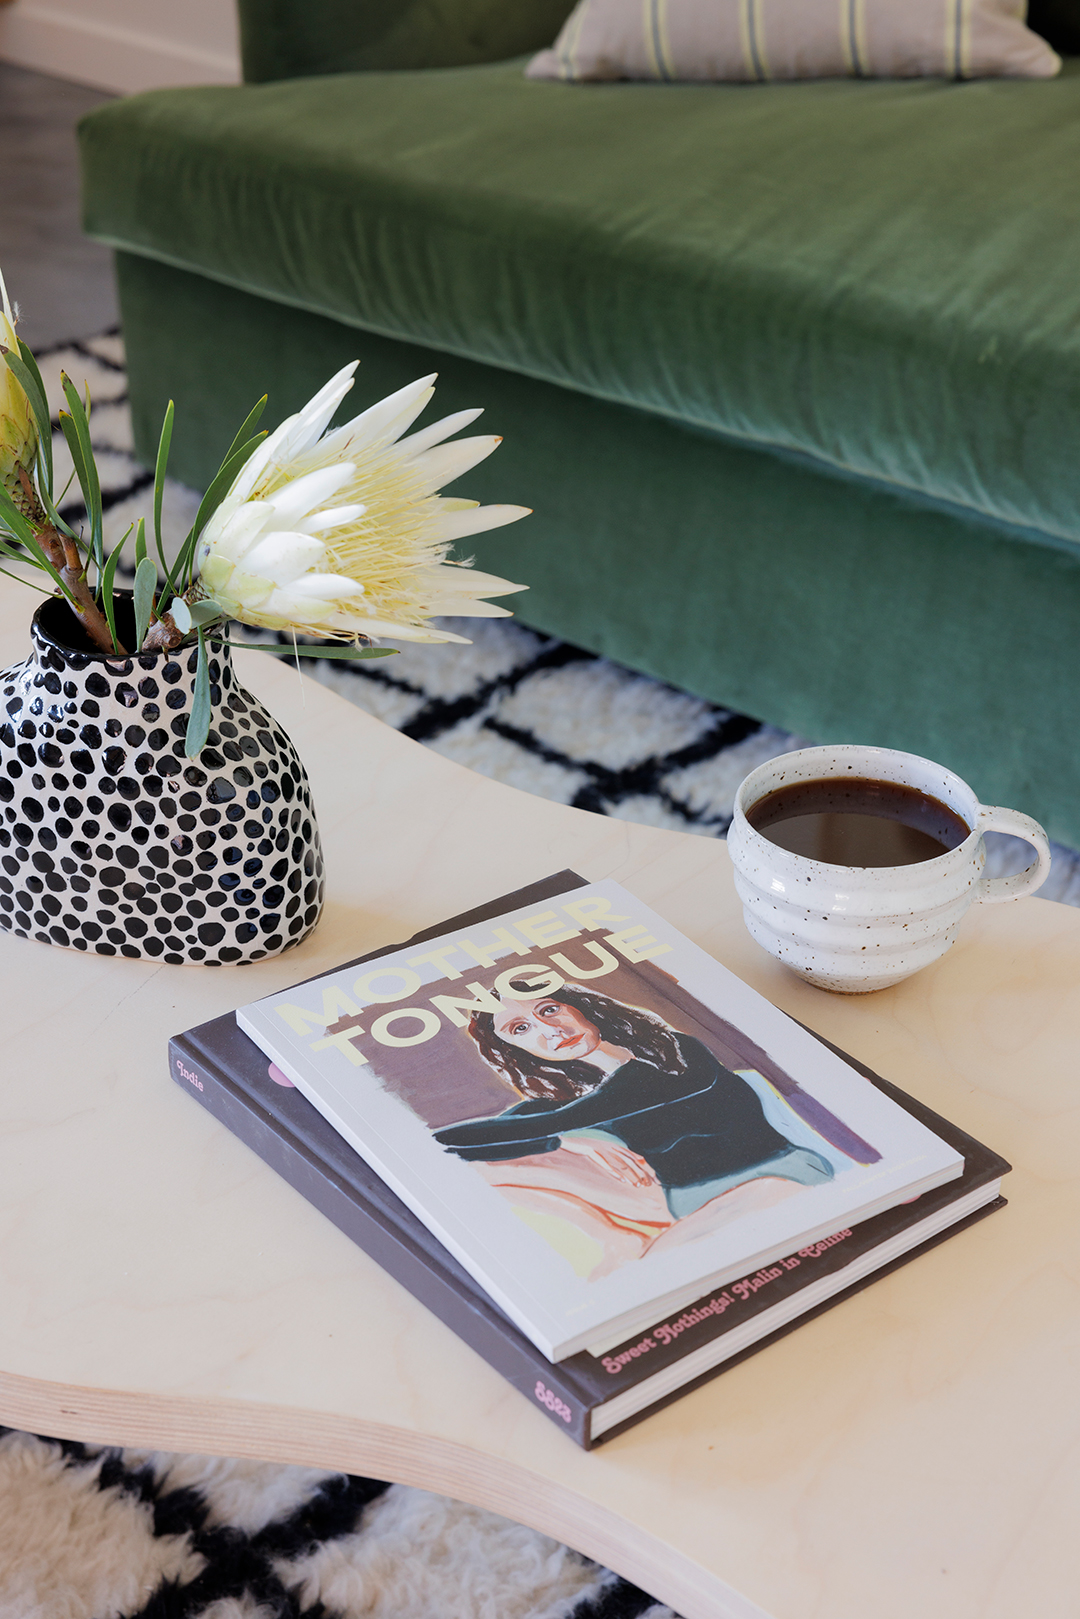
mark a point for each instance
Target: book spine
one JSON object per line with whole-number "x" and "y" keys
{"x": 476, "y": 1323}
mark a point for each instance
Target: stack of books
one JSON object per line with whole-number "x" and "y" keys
{"x": 601, "y": 1159}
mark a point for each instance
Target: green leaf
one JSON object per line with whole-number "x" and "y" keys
{"x": 23, "y": 366}
{"x": 54, "y": 517}
{"x": 13, "y": 520}
{"x": 16, "y": 525}
{"x": 250, "y": 424}
{"x": 82, "y": 474}
{"x": 198, "y": 728}
{"x": 222, "y": 482}
{"x": 216, "y": 493}
{"x": 347, "y": 652}
{"x": 145, "y": 583}
{"x": 160, "y": 466}
{"x": 140, "y": 541}
{"x": 204, "y": 612}
{"x": 74, "y": 444}
{"x": 88, "y": 477}
{"x": 19, "y": 580}
{"x": 108, "y": 574}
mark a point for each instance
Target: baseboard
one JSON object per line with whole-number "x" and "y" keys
{"x": 52, "y": 40}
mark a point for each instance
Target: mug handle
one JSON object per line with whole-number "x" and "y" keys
{"x": 991, "y": 890}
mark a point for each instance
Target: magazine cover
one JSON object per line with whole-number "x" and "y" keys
{"x": 596, "y": 1119}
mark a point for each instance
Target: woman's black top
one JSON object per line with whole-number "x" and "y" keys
{"x": 689, "y": 1127}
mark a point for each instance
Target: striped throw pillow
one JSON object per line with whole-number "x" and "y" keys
{"x": 796, "y": 39}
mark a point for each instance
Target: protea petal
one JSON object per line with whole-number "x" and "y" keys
{"x": 300, "y": 496}
{"x": 295, "y": 434}
{"x": 215, "y": 573}
{"x": 450, "y": 579}
{"x": 308, "y": 425}
{"x": 469, "y": 607}
{"x": 446, "y": 462}
{"x": 332, "y": 586}
{"x": 382, "y": 423}
{"x": 231, "y": 532}
{"x": 333, "y": 517}
{"x": 283, "y": 557}
{"x": 428, "y": 437}
{"x": 476, "y": 519}
{"x": 246, "y": 591}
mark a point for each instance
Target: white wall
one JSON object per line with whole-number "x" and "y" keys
{"x": 124, "y": 45}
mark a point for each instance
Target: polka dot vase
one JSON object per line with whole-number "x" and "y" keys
{"x": 112, "y": 841}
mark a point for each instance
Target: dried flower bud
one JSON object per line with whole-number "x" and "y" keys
{"x": 18, "y": 432}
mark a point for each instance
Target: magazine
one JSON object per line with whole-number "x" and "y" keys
{"x": 596, "y": 1119}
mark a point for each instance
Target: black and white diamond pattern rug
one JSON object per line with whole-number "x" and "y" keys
{"x": 88, "y": 1532}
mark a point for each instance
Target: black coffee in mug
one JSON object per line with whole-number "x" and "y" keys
{"x": 853, "y": 821}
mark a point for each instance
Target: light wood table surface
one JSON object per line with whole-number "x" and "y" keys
{"x": 912, "y": 1454}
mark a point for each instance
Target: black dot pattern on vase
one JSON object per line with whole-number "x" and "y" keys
{"x": 128, "y": 848}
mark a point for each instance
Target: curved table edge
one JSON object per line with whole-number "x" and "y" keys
{"x": 223, "y": 1427}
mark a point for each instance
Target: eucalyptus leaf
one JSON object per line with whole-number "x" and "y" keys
{"x": 160, "y": 466}
{"x": 108, "y": 574}
{"x": 248, "y": 428}
{"x": 350, "y": 653}
{"x": 203, "y": 613}
{"x": 88, "y": 478}
{"x": 20, "y": 581}
{"x": 199, "y": 724}
{"x": 145, "y": 583}
{"x": 86, "y": 473}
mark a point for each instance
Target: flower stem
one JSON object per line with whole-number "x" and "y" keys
{"x": 162, "y": 635}
{"x": 63, "y": 553}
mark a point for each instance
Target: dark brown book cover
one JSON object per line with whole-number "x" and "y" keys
{"x": 231, "y": 1077}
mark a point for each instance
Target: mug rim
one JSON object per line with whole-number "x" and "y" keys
{"x": 867, "y": 750}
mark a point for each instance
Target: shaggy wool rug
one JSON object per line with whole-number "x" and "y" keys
{"x": 88, "y": 1532}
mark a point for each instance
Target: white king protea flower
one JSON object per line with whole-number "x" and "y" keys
{"x": 346, "y": 535}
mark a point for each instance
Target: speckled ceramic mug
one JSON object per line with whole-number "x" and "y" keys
{"x": 858, "y": 928}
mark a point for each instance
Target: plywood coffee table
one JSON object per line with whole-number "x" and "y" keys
{"x": 913, "y": 1454}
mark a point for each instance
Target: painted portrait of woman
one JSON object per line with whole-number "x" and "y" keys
{"x": 682, "y": 1142}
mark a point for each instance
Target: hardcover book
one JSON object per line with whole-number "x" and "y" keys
{"x": 597, "y": 1120}
{"x": 590, "y": 1396}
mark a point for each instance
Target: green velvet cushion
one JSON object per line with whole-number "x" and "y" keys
{"x": 283, "y": 39}
{"x": 882, "y": 276}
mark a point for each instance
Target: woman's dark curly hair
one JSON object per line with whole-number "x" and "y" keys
{"x": 642, "y": 1033}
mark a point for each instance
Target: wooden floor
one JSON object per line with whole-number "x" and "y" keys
{"x": 62, "y": 282}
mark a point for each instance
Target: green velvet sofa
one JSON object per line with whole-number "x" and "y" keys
{"x": 789, "y": 372}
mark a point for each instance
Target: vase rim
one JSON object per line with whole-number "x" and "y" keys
{"x": 87, "y": 655}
